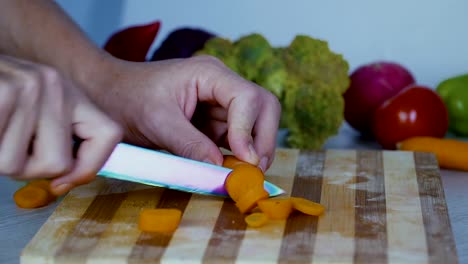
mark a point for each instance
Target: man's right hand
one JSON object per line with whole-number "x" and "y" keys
{"x": 40, "y": 112}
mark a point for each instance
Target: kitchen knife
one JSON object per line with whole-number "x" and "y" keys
{"x": 156, "y": 168}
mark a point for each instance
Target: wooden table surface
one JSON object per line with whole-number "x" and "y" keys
{"x": 18, "y": 226}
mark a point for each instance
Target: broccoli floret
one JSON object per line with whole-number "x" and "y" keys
{"x": 272, "y": 75}
{"x": 311, "y": 113}
{"x": 311, "y": 59}
{"x": 313, "y": 105}
{"x": 222, "y": 49}
{"x": 252, "y": 51}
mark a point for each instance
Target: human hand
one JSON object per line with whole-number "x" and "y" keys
{"x": 40, "y": 111}
{"x": 192, "y": 106}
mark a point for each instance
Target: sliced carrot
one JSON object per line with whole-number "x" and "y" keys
{"x": 44, "y": 184}
{"x": 276, "y": 208}
{"x": 306, "y": 206}
{"x": 230, "y": 161}
{"x": 30, "y": 196}
{"x": 450, "y": 153}
{"x": 159, "y": 220}
{"x": 248, "y": 200}
{"x": 256, "y": 219}
{"x": 243, "y": 178}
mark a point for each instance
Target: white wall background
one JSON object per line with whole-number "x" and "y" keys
{"x": 430, "y": 37}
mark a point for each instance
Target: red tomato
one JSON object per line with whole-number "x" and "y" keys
{"x": 415, "y": 111}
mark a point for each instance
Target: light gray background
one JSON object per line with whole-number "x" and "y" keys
{"x": 430, "y": 37}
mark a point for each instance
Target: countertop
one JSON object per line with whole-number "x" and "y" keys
{"x": 18, "y": 226}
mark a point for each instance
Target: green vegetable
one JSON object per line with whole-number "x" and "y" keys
{"x": 306, "y": 76}
{"x": 454, "y": 93}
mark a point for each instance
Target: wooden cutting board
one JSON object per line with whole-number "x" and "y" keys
{"x": 382, "y": 207}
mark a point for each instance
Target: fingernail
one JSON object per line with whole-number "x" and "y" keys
{"x": 62, "y": 188}
{"x": 263, "y": 163}
{"x": 253, "y": 153}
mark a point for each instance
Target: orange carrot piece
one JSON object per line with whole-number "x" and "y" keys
{"x": 256, "y": 219}
{"x": 248, "y": 200}
{"x": 276, "y": 208}
{"x": 243, "y": 178}
{"x": 450, "y": 153}
{"x": 159, "y": 220}
{"x": 30, "y": 196}
{"x": 306, "y": 206}
{"x": 44, "y": 184}
{"x": 230, "y": 161}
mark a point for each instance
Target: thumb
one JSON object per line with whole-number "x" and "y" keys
{"x": 183, "y": 139}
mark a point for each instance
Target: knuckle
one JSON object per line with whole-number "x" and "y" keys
{"x": 190, "y": 149}
{"x": 112, "y": 131}
{"x": 208, "y": 60}
{"x": 273, "y": 101}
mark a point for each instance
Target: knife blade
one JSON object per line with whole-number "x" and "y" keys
{"x": 157, "y": 168}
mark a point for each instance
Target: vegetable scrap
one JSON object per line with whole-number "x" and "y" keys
{"x": 256, "y": 219}
{"x": 277, "y": 209}
{"x": 159, "y": 220}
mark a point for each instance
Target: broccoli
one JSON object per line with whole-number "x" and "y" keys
{"x": 222, "y": 49}
{"x": 306, "y": 76}
{"x": 251, "y": 52}
{"x": 313, "y": 104}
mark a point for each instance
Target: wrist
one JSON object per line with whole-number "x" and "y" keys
{"x": 97, "y": 78}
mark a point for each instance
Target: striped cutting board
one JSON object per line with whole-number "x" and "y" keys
{"x": 382, "y": 207}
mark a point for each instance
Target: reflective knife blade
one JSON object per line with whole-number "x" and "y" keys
{"x": 157, "y": 168}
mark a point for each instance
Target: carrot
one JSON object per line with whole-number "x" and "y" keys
{"x": 159, "y": 220}
{"x": 44, "y": 184}
{"x": 230, "y": 161}
{"x": 306, "y": 206}
{"x": 450, "y": 153}
{"x": 31, "y": 196}
{"x": 256, "y": 219}
{"x": 275, "y": 208}
{"x": 248, "y": 200}
{"x": 243, "y": 178}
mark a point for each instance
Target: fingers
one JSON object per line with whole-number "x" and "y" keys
{"x": 18, "y": 129}
{"x": 253, "y": 113}
{"x": 7, "y": 102}
{"x": 183, "y": 138}
{"x": 266, "y": 129}
{"x": 52, "y": 147}
{"x": 100, "y": 135}
{"x": 243, "y": 112}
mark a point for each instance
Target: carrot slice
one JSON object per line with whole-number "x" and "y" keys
{"x": 30, "y": 196}
{"x": 243, "y": 178}
{"x": 159, "y": 220}
{"x": 306, "y": 206}
{"x": 248, "y": 200}
{"x": 256, "y": 219}
{"x": 275, "y": 208}
{"x": 230, "y": 161}
{"x": 44, "y": 184}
